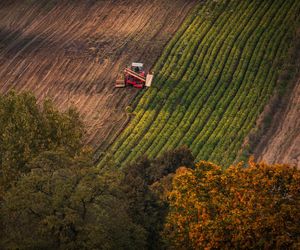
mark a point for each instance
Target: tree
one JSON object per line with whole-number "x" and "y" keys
{"x": 65, "y": 203}
{"x": 52, "y": 197}
{"x": 257, "y": 207}
{"x": 28, "y": 130}
{"x": 142, "y": 186}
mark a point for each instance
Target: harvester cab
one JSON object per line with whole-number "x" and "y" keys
{"x": 135, "y": 76}
{"x": 137, "y": 67}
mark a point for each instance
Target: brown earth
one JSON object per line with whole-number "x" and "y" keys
{"x": 72, "y": 51}
{"x": 280, "y": 140}
{"x": 281, "y": 144}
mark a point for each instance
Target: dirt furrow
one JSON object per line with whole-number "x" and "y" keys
{"x": 72, "y": 51}
{"x": 282, "y": 142}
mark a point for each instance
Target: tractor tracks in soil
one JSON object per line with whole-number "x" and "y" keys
{"x": 281, "y": 143}
{"x": 71, "y": 52}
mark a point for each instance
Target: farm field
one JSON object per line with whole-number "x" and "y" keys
{"x": 151, "y": 124}
{"x": 282, "y": 143}
{"x": 214, "y": 78}
{"x": 72, "y": 51}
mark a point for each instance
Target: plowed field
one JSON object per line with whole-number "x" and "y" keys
{"x": 72, "y": 51}
{"x": 282, "y": 143}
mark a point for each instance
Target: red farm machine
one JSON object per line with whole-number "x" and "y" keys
{"x": 134, "y": 76}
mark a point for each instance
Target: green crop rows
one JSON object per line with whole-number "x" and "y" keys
{"x": 212, "y": 81}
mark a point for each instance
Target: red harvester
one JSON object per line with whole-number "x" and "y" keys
{"x": 135, "y": 76}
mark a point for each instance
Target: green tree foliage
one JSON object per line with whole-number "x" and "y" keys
{"x": 144, "y": 195}
{"x": 239, "y": 208}
{"x": 64, "y": 203}
{"x": 27, "y": 130}
{"x": 51, "y": 195}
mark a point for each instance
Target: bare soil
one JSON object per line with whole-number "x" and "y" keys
{"x": 281, "y": 144}
{"x": 72, "y": 51}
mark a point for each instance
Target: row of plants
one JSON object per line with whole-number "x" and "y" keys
{"x": 147, "y": 104}
{"x": 222, "y": 73}
{"x": 180, "y": 85}
{"x": 213, "y": 80}
{"x": 254, "y": 82}
{"x": 258, "y": 97}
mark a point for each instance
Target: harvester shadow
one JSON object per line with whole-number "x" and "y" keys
{"x": 13, "y": 42}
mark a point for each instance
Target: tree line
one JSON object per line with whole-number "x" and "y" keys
{"x": 53, "y": 196}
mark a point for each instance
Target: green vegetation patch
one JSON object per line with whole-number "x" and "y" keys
{"x": 212, "y": 81}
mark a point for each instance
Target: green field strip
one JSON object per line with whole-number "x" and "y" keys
{"x": 231, "y": 125}
{"x": 185, "y": 90}
{"x": 238, "y": 132}
{"x": 168, "y": 53}
{"x": 249, "y": 78}
{"x": 238, "y": 78}
{"x": 148, "y": 97}
{"x": 201, "y": 103}
{"x": 147, "y": 118}
{"x": 258, "y": 95}
{"x": 212, "y": 81}
{"x": 170, "y": 107}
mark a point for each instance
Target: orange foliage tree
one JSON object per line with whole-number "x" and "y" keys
{"x": 238, "y": 208}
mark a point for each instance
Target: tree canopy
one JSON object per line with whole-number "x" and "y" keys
{"x": 64, "y": 203}
{"x": 52, "y": 196}
{"x": 257, "y": 207}
{"x": 144, "y": 184}
{"x": 28, "y": 129}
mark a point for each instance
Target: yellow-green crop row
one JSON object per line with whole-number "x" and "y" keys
{"x": 212, "y": 81}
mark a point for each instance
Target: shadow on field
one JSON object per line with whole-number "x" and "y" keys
{"x": 15, "y": 41}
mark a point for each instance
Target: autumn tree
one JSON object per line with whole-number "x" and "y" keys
{"x": 257, "y": 207}
{"x": 142, "y": 186}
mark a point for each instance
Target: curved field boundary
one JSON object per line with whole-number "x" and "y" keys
{"x": 283, "y": 143}
{"x": 213, "y": 81}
